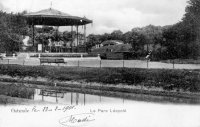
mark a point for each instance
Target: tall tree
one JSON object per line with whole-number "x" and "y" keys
{"x": 191, "y": 19}
{"x": 12, "y": 28}
{"x": 151, "y": 32}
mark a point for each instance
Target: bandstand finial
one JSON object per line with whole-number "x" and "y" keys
{"x": 51, "y": 5}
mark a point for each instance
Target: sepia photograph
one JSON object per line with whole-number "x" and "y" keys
{"x": 99, "y": 63}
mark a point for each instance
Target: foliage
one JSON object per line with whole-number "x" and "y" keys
{"x": 12, "y": 28}
{"x": 14, "y": 90}
{"x": 180, "y": 40}
{"x": 69, "y": 36}
{"x": 187, "y": 80}
{"x": 150, "y": 32}
{"x": 138, "y": 37}
{"x": 92, "y": 41}
{"x": 117, "y": 35}
{"x": 137, "y": 40}
{"x": 191, "y": 19}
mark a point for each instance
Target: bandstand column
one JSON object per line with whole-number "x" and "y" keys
{"x": 77, "y": 38}
{"x": 71, "y": 38}
{"x": 85, "y": 37}
{"x": 33, "y": 37}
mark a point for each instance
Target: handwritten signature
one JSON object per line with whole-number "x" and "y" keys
{"x": 77, "y": 120}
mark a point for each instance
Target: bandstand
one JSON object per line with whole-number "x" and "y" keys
{"x": 52, "y": 17}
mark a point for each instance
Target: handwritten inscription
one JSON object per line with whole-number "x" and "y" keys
{"x": 36, "y": 109}
{"x": 25, "y": 110}
{"x": 77, "y": 120}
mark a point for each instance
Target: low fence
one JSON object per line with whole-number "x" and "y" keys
{"x": 104, "y": 63}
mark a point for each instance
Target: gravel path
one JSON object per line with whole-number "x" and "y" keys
{"x": 103, "y": 63}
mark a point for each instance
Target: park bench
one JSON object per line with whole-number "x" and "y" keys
{"x": 49, "y": 61}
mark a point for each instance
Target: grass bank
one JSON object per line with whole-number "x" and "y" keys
{"x": 16, "y": 90}
{"x": 168, "y": 80}
{"x": 15, "y": 93}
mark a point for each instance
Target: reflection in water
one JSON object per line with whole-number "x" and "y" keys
{"x": 75, "y": 98}
{"x": 72, "y": 97}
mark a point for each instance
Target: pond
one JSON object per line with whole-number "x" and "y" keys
{"x": 80, "y": 97}
{"x": 83, "y": 96}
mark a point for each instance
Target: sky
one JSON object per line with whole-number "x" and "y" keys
{"x": 108, "y": 15}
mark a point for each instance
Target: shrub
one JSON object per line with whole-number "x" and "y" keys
{"x": 16, "y": 91}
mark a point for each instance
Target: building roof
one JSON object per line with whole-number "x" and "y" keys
{"x": 122, "y": 48}
{"x": 112, "y": 42}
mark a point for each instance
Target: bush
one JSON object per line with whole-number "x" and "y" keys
{"x": 16, "y": 91}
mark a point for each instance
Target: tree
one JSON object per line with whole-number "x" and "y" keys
{"x": 104, "y": 37}
{"x": 137, "y": 41}
{"x": 192, "y": 20}
{"x": 12, "y": 28}
{"x": 178, "y": 40}
{"x": 116, "y": 35}
{"x": 92, "y": 41}
{"x": 151, "y": 32}
{"x": 69, "y": 36}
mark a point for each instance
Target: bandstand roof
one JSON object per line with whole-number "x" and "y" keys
{"x": 52, "y": 17}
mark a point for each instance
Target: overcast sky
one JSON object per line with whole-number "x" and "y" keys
{"x": 109, "y": 15}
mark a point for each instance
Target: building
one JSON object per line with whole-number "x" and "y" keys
{"x": 114, "y": 49}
